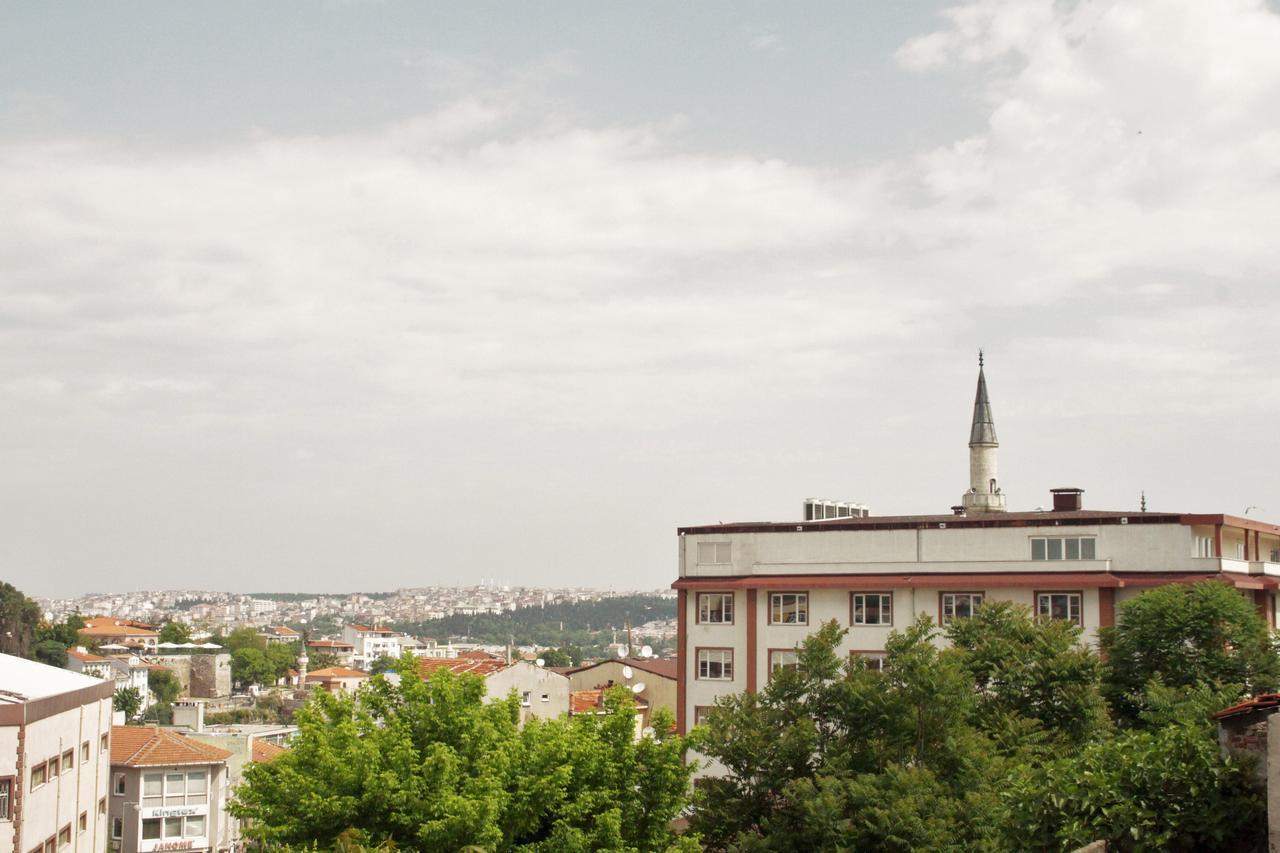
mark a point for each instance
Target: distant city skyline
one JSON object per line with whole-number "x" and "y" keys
{"x": 417, "y": 293}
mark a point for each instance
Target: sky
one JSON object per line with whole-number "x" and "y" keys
{"x": 364, "y": 295}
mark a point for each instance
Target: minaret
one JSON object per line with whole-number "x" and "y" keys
{"x": 984, "y": 493}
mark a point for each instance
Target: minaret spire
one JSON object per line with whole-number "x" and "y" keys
{"x": 984, "y": 493}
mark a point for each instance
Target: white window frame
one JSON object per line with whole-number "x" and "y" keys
{"x": 1075, "y": 604}
{"x": 783, "y": 658}
{"x": 1063, "y": 546}
{"x": 948, "y": 600}
{"x": 705, "y": 610}
{"x": 885, "y": 603}
{"x": 118, "y": 785}
{"x": 6, "y": 798}
{"x": 715, "y": 553}
{"x": 709, "y": 657}
{"x": 875, "y": 659}
{"x": 778, "y": 603}
{"x": 1204, "y": 547}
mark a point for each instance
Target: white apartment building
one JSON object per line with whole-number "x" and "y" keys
{"x": 749, "y": 593}
{"x": 370, "y": 643}
{"x": 55, "y": 729}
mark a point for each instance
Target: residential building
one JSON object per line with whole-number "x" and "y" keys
{"x": 542, "y": 692}
{"x": 371, "y": 643}
{"x": 342, "y": 651}
{"x": 127, "y": 671}
{"x": 280, "y": 634}
{"x": 749, "y": 593}
{"x": 55, "y": 733}
{"x": 168, "y": 792}
{"x": 337, "y": 679}
{"x": 655, "y": 677}
{"x": 593, "y": 702}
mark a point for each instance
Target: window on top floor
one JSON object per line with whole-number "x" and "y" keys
{"x": 714, "y": 553}
{"x": 68, "y": 760}
{"x": 1204, "y": 546}
{"x": 1063, "y": 548}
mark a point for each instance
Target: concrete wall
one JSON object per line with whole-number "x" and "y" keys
{"x": 524, "y": 677}
{"x": 659, "y": 692}
{"x": 61, "y": 800}
{"x": 203, "y": 676}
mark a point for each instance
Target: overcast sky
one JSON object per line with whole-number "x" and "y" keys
{"x": 378, "y": 294}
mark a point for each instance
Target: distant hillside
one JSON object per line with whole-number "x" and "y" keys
{"x": 583, "y": 623}
{"x": 303, "y": 596}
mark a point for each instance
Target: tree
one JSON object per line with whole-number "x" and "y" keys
{"x": 321, "y": 660}
{"x": 280, "y": 658}
{"x": 19, "y": 617}
{"x": 244, "y": 637}
{"x": 1183, "y": 636}
{"x": 175, "y": 632}
{"x": 65, "y": 633}
{"x": 564, "y": 656}
{"x": 164, "y": 686}
{"x": 51, "y": 652}
{"x": 429, "y": 765}
{"x": 250, "y": 666}
{"x": 128, "y": 700}
{"x": 381, "y": 664}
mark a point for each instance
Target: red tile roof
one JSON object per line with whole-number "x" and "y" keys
{"x": 1261, "y": 702}
{"x": 336, "y": 672}
{"x": 329, "y": 644}
{"x": 479, "y": 666}
{"x": 592, "y": 702}
{"x": 104, "y": 626}
{"x": 86, "y": 657}
{"x": 150, "y": 746}
{"x": 477, "y": 654}
{"x": 265, "y": 750}
{"x": 283, "y": 631}
{"x": 365, "y": 629}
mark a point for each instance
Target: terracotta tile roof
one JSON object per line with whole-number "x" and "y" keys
{"x": 265, "y": 750}
{"x": 336, "y": 672}
{"x": 592, "y": 702}
{"x": 86, "y": 657}
{"x": 329, "y": 644}
{"x": 1261, "y": 702}
{"x": 477, "y": 654}
{"x": 150, "y": 746}
{"x": 101, "y": 626}
{"x": 283, "y": 631}
{"x": 478, "y": 666}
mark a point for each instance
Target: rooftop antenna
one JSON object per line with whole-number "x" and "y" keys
{"x": 1143, "y": 504}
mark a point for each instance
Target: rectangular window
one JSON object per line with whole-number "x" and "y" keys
{"x": 84, "y": 752}
{"x": 872, "y": 608}
{"x": 715, "y": 664}
{"x": 118, "y": 787}
{"x": 64, "y": 836}
{"x": 195, "y": 826}
{"x": 524, "y": 699}
{"x": 714, "y": 553}
{"x": 151, "y": 829}
{"x": 38, "y": 775}
{"x": 1060, "y": 605}
{"x": 873, "y": 660}
{"x": 700, "y": 714}
{"x": 959, "y": 605}
{"x": 152, "y": 789}
{"x": 68, "y": 760}
{"x": 84, "y": 821}
{"x": 546, "y": 697}
{"x": 715, "y": 608}
{"x": 53, "y": 767}
{"x": 106, "y": 742}
{"x": 789, "y": 608}
{"x": 1064, "y": 548}
{"x": 173, "y": 827}
{"x": 6, "y": 798}
{"x": 783, "y": 659}
{"x": 117, "y": 828}
{"x": 102, "y": 806}
{"x": 51, "y": 846}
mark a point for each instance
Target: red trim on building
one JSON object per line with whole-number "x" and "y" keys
{"x": 942, "y": 581}
{"x": 753, "y": 622}
{"x": 682, "y": 666}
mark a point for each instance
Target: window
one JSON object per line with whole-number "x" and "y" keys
{"x": 84, "y": 821}
{"x": 64, "y": 836}
{"x": 524, "y": 699}
{"x": 151, "y": 829}
{"x": 105, "y": 743}
{"x": 195, "y": 826}
{"x": 152, "y": 789}
{"x": 6, "y": 798}
{"x": 715, "y": 664}
{"x": 873, "y": 659}
{"x": 714, "y": 553}
{"x": 789, "y": 608}
{"x": 68, "y": 760}
{"x": 38, "y": 775}
{"x": 118, "y": 787}
{"x": 1063, "y": 548}
{"x": 51, "y": 846}
{"x": 700, "y": 713}
{"x": 1204, "y": 546}
{"x": 783, "y": 659}
{"x": 173, "y": 827}
{"x": 1059, "y": 605}
{"x": 84, "y": 752}
{"x": 546, "y": 697}
{"x": 117, "y": 828}
{"x": 53, "y": 767}
{"x": 715, "y": 608}
{"x": 872, "y": 608}
{"x": 197, "y": 785}
{"x": 102, "y": 806}
{"x": 958, "y": 605}
{"x": 1239, "y": 550}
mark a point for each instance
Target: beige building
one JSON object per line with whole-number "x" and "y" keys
{"x": 655, "y": 678}
{"x": 748, "y": 593}
{"x": 168, "y": 792}
{"x": 543, "y": 692}
{"x": 337, "y": 679}
{"x": 55, "y": 729}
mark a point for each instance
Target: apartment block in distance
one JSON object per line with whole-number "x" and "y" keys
{"x": 749, "y": 593}
{"x": 55, "y": 729}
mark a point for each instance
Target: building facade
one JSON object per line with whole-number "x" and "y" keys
{"x": 55, "y": 733}
{"x": 168, "y": 792}
{"x": 749, "y": 593}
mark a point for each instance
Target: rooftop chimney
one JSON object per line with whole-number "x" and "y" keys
{"x": 1067, "y": 500}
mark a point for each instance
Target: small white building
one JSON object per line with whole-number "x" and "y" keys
{"x": 370, "y": 643}
{"x": 55, "y": 734}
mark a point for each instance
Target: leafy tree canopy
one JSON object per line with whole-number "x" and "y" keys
{"x": 175, "y": 632}
{"x": 128, "y": 700}
{"x": 19, "y": 617}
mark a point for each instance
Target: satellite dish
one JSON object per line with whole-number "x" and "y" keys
{"x": 646, "y": 651}
{"x": 638, "y": 687}
{"x": 540, "y": 662}
{"x": 623, "y": 651}
{"x": 627, "y": 673}
{"x": 647, "y": 731}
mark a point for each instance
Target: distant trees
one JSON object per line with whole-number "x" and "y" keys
{"x": 430, "y": 765}
{"x": 564, "y": 656}
{"x": 381, "y": 664}
{"x": 175, "y": 632}
{"x": 254, "y": 660}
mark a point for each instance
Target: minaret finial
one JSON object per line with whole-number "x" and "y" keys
{"x": 1144, "y": 500}
{"x": 980, "y": 359}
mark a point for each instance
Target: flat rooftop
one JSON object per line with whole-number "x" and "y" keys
{"x": 24, "y": 680}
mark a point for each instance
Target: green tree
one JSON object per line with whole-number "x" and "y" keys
{"x": 1184, "y": 636}
{"x": 281, "y": 657}
{"x": 19, "y": 618}
{"x": 381, "y": 664}
{"x": 164, "y": 686}
{"x": 65, "y": 633}
{"x": 561, "y": 657}
{"x": 128, "y": 700}
{"x": 175, "y": 632}
{"x": 51, "y": 652}
{"x": 430, "y": 765}
{"x": 1028, "y": 670}
{"x": 250, "y": 666}
{"x": 321, "y": 660}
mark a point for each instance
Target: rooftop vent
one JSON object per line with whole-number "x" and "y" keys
{"x": 958, "y": 509}
{"x": 1067, "y": 500}
{"x": 816, "y": 509}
